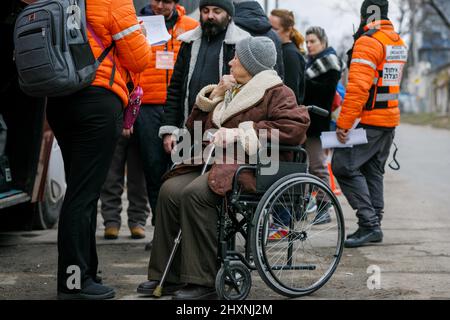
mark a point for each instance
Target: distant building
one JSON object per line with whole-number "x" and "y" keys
{"x": 439, "y": 95}
{"x": 433, "y": 41}
{"x": 427, "y": 73}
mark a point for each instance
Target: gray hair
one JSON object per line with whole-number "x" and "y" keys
{"x": 320, "y": 33}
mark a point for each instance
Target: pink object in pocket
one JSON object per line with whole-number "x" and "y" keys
{"x": 132, "y": 110}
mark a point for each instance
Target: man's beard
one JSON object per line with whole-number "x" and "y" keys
{"x": 213, "y": 28}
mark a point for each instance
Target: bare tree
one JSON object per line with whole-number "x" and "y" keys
{"x": 348, "y": 6}
{"x": 439, "y": 12}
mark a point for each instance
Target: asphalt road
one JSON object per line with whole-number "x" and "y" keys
{"x": 413, "y": 262}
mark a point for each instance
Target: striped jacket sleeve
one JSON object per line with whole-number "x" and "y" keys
{"x": 368, "y": 53}
{"x": 132, "y": 48}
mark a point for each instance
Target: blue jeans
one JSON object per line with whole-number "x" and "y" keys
{"x": 154, "y": 160}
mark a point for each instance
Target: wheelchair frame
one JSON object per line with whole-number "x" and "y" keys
{"x": 233, "y": 281}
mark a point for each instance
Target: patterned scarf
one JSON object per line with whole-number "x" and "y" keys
{"x": 230, "y": 94}
{"x": 322, "y": 63}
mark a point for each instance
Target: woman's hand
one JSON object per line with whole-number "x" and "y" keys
{"x": 127, "y": 132}
{"x": 225, "y": 136}
{"x": 226, "y": 83}
{"x": 169, "y": 142}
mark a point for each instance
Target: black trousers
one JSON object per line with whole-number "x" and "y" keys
{"x": 154, "y": 158}
{"x": 360, "y": 173}
{"x": 87, "y": 126}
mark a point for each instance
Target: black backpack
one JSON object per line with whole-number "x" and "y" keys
{"x": 52, "y": 52}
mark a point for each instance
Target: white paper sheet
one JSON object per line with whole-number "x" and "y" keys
{"x": 156, "y": 29}
{"x": 355, "y": 137}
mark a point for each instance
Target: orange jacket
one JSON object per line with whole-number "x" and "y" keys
{"x": 154, "y": 81}
{"x": 374, "y": 78}
{"x": 116, "y": 20}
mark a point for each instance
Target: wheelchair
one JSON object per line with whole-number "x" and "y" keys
{"x": 307, "y": 211}
{"x": 300, "y": 262}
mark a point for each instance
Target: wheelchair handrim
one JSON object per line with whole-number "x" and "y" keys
{"x": 260, "y": 223}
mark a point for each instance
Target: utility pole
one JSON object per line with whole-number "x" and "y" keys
{"x": 277, "y": 3}
{"x": 266, "y": 5}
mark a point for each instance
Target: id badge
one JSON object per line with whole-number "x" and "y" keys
{"x": 392, "y": 74}
{"x": 165, "y": 60}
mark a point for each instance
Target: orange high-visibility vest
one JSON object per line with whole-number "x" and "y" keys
{"x": 385, "y": 90}
{"x": 155, "y": 81}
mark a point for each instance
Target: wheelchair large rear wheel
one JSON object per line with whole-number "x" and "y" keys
{"x": 298, "y": 235}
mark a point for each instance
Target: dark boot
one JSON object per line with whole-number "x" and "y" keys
{"x": 148, "y": 287}
{"x": 356, "y": 234}
{"x": 91, "y": 291}
{"x": 364, "y": 236}
{"x": 352, "y": 235}
{"x": 195, "y": 292}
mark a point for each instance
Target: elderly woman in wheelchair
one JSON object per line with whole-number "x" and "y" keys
{"x": 245, "y": 105}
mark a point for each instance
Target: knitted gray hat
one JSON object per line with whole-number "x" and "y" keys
{"x": 256, "y": 54}
{"x": 226, "y": 5}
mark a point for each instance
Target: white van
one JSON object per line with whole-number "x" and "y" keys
{"x": 33, "y": 197}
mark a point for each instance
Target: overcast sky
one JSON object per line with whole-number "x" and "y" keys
{"x": 324, "y": 14}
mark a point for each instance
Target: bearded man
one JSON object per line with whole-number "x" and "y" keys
{"x": 203, "y": 59}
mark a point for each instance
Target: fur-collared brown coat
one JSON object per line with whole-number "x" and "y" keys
{"x": 263, "y": 103}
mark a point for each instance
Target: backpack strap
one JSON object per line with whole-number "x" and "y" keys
{"x": 371, "y": 32}
{"x": 105, "y": 53}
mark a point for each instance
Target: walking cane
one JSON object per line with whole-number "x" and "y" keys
{"x": 158, "y": 290}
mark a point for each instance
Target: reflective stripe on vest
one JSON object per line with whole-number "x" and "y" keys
{"x": 386, "y": 97}
{"x": 385, "y": 90}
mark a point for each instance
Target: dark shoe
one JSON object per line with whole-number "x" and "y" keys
{"x": 98, "y": 279}
{"x": 322, "y": 217}
{"x": 195, "y": 292}
{"x": 364, "y": 236}
{"x": 148, "y": 287}
{"x": 93, "y": 291}
{"x": 352, "y": 235}
{"x": 356, "y": 234}
{"x": 149, "y": 246}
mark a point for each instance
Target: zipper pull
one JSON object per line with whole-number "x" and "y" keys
{"x": 43, "y": 32}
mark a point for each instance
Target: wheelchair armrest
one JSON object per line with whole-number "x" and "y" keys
{"x": 237, "y": 174}
{"x": 285, "y": 147}
{"x": 297, "y": 150}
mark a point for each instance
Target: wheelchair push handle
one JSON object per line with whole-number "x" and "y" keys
{"x": 319, "y": 111}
